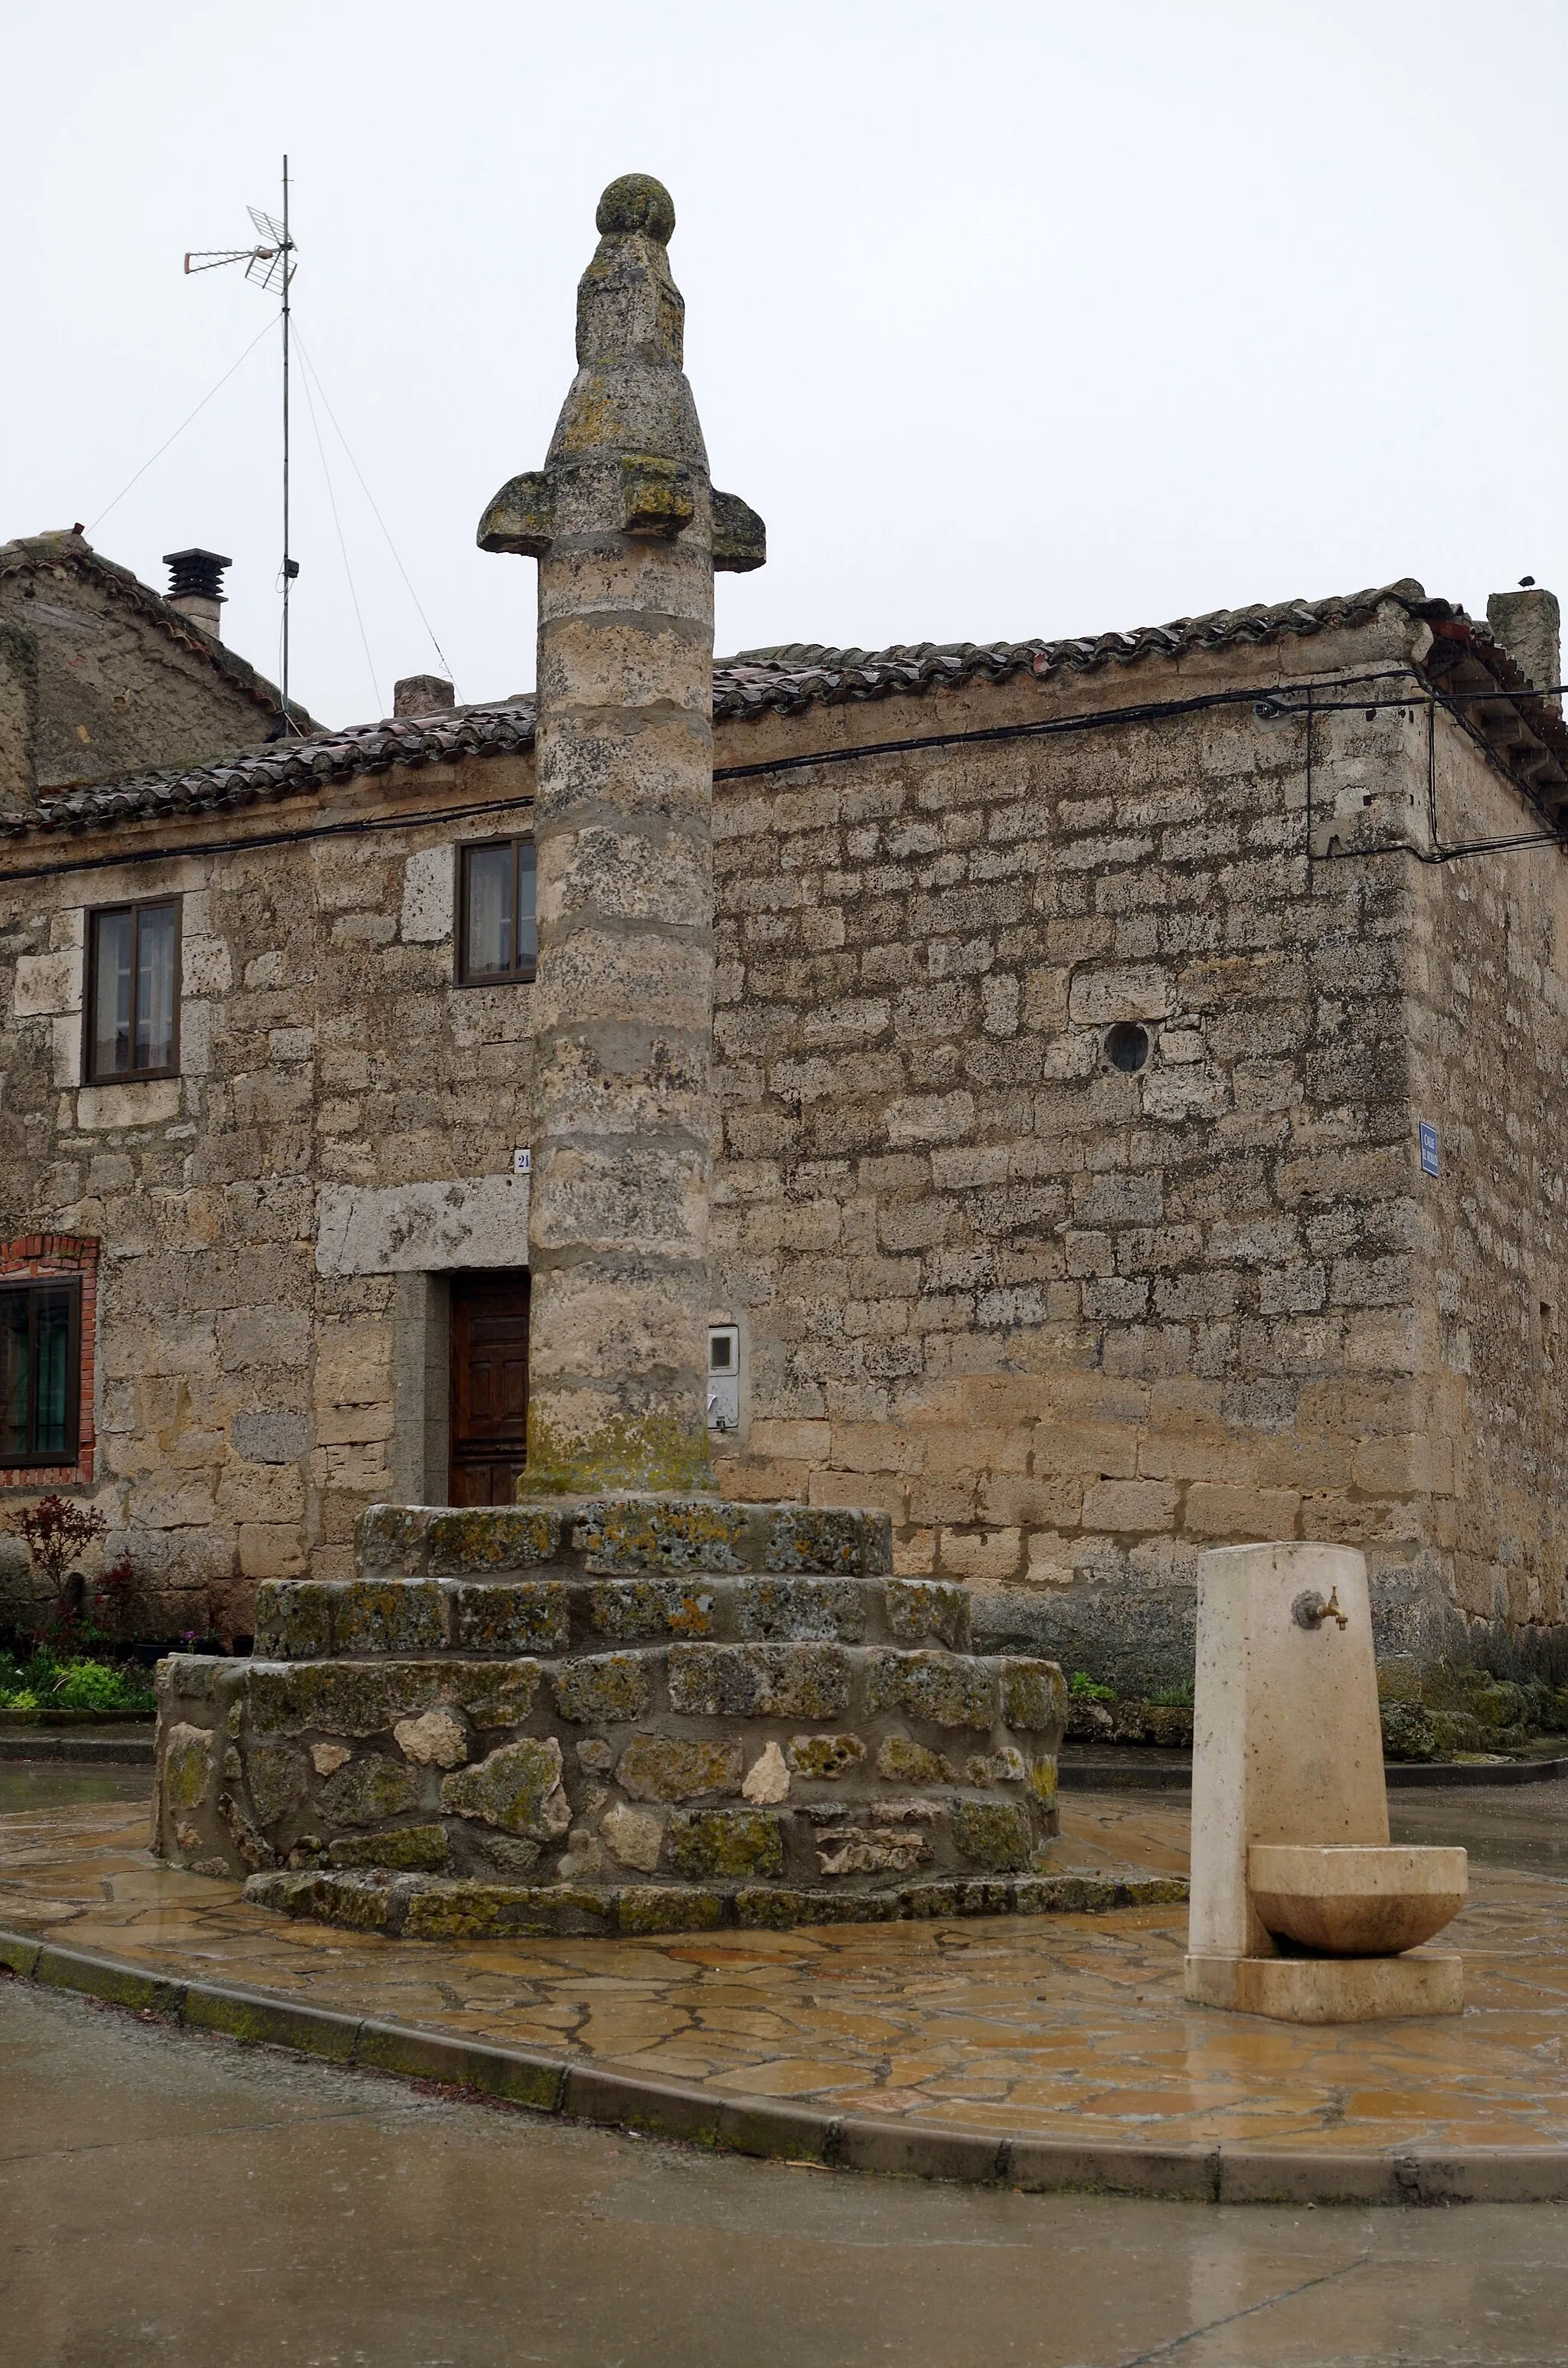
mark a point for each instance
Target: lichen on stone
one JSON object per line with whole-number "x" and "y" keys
{"x": 677, "y": 1768}
{"x": 1034, "y": 1695}
{"x": 947, "y": 1690}
{"x": 826, "y": 1756}
{"x": 725, "y": 1843}
{"x": 478, "y": 1538}
{"x": 995, "y": 1833}
{"x": 608, "y": 1687}
{"x": 422, "y": 1849}
{"x": 276, "y": 1777}
{"x": 190, "y": 1766}
{"x": 902, "y": 1761}
{"x": 367, "y": 1790}
{"x": 517, "y": 1788}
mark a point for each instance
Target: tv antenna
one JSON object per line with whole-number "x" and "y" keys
{"x": 269, "y": 266}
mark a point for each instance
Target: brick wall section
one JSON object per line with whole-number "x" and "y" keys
{"x": 33, "y": 1256}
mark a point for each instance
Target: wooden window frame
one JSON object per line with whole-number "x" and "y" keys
{"x": 517, "y": 976}
{"x": 69, "y": 1457}
{"x": 135, "y": 906}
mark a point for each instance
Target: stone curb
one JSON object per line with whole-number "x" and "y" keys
{"x": 85, "y": 1750}
{"x": 762, "y": 2127}
{"x": 1399, "y": 1775}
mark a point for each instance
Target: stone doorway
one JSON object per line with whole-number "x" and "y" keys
{"x": 490, "y": 1387}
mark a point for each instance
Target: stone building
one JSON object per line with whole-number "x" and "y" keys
{"x": 101, "y": 676}
{"x": 1139, "y": 1117}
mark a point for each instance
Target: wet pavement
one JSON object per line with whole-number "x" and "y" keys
{"x": 169, "y": 2198}
{"x": 1062, "y": 2027}
{"x": 173, "y": 2199}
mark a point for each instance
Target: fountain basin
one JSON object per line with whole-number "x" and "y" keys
{"x": 1355, "y": 1900}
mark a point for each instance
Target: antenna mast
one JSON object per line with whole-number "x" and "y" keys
{"x": 270, "y": 264}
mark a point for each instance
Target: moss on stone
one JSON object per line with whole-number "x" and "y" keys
{"x": 1034, "y": 1695}
{"x": 390, "y": 1539}
{"x": 947, "y": 1689}
{"x": 480, "y": 1537}
{"x": 293, "y": 1618}
{"x": 676, "y": 1534}
{"x": 517, "y": 1788}
{"x": 831, "y": 1542}
{"x": 928, "y": 1607}
{"x": 905, "y": 1762}
{"x": 1043, "y": 1782}
{"x": 421, "y": 1849}
{"x": 609, "y": 1688}
{"x": 805, "y": 1681}
{"x": 803, "y": 1611}
{"x": 630, "y": 1608}
{"x": 504, "y": 1616}
{"x": 396, "y": 1615}
{"x": 725, "y": 1843}
{"x": 993, "y": 1833}
{"x": 647, "y": 1452}
{"x": 190, "y": 1764}
{"x": 671, "y": 1768}
{"x": 276, "y": 1777}
{"x": 668, "y": 1907}
{"x": 826, "y": 1756}
{"x": 367, "y": 1790}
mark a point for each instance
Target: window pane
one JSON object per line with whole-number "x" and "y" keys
{"x": 527, "y": 921}
{"x": 15, "y": 1372}
{"x": 489, "y": 948}
{"x": 155, "y": 988}
{"x": 111, "y": 1007}
{"x": 52, "y": 1340}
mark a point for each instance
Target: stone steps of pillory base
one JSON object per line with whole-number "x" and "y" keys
{"x": 630, "y": 1714}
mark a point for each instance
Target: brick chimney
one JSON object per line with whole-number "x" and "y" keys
{"x": 196, "y": 586}
{"x": 1529, "y": 624}
{"x": 422, "y": 694}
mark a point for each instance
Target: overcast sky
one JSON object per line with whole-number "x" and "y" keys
{"x": 1009, "y": 319}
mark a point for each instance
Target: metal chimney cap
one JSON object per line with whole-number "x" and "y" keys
{"x": 196, "y": 572}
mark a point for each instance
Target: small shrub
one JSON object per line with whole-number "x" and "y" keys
{"x": 1083, "y": 1687}
{"x": 1171, "y": 1697}
{"x": 55, "y": 1532}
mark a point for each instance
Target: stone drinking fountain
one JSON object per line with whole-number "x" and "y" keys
{"x": 1301, "y": 1909}
{"x": 622, "y": 1704}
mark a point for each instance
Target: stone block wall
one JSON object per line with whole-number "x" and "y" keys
{"x": 1064, "y": 1323}
{"x": 1067, "y": 1325}
{"x": 344, "y": 1123}
{"x": 1489, "y": 1030}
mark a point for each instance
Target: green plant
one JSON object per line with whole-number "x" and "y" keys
{"x": 1172, "y": 1697}
{"x": 19, "y": 1699}
{"x": 1083, "y": 1687}
{"x": 54, "y": 1531}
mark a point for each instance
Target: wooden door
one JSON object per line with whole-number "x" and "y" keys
{"x": 490, "y": 1387}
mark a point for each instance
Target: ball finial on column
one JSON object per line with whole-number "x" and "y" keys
{"x": 637, "y": 202}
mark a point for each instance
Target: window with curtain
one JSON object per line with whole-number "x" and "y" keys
{"x": 40, "y": 1362}
{"x": 498, "y": 933}
{"x": 133, "y": 992}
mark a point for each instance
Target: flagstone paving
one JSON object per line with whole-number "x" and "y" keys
{"x": 1068, "y": 2026}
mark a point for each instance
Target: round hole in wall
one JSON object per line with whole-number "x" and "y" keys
{"x": 1127, "y": 1047}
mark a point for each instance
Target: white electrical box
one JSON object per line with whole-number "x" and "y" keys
{"x": 724, "y": 1377}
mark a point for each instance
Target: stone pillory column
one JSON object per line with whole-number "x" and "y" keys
{"x": 627, "y": 531}
{"x": 622, "y": 1704}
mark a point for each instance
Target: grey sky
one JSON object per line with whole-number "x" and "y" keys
{"x": 1010, "y": 319}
